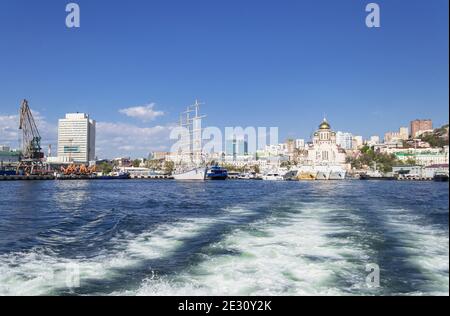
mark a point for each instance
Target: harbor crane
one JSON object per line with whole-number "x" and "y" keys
{"x": 32, "y": 154}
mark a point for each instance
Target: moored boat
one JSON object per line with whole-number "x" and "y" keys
{"x": 272, "y": 176}
{"x": 307, "y": 173}
{"x": 441, "y": 177}
{"x": 190, "y": 174}
{"x": 217, "y": 173}
{"x": 291, "y": 175}
{"x": 323, "y": 175}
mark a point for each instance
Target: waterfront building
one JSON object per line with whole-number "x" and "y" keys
{"x": 396, "y": 137}
{"x": 272, "y": 151}
{"x": 290, "y": 147}
{"x": 300, "y": 144}
{"x": 421, "y": 156}
{"x": 357, "y": 142}
{"x": 8, "y": 156}
{"x": 325, "y": 150}
{"x": 160, "y": 155}
{"x": 344, "y": 140}
{"x": 373, "y": 141}
{"x": 403, "y": 133}
{"x": 76, "y": 138}
{"x": 420, "y": 126}
{"x": 424, "y": 158}
{"x": 412, "y": 171}
{"x": 431, "y": 171}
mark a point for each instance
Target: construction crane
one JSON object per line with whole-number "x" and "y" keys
{"x": 32, "y": 154}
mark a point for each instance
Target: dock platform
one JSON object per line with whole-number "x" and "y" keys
{"x": 26, "y": 178}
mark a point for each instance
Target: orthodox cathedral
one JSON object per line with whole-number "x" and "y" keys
{"x": 324, "y": 150}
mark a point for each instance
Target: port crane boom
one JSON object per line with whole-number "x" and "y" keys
{"x": 31, "y": 139}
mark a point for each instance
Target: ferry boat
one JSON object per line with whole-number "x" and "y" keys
{"x": 217, "y": 173}
{"x": 441, "y": 177}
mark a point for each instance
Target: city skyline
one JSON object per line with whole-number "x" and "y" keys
{"x": 134, "y": 75}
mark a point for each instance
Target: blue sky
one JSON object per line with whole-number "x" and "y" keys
{"x": 284, "y": 63}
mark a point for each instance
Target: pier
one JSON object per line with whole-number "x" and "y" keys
{"x": 27, "y": 178}
{"x": 152, "y": 177}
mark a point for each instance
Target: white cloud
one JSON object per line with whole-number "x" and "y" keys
{"x": 10, "y": 133}
{"x": 145, "y": 112}
{"x": 112, "y": 139}
{"x": 9, "y": 129}
{"x": 120, "y": 139}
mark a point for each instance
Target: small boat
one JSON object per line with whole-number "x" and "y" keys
{"x": 117, "y": 176}
{"x": 291, "y": 175}
{"x": 375, "y": 175}
{"x": 441, "y": 177}
{"x": 246, "y": 176}
{"x": 217, "y": 173}
{"x": 7, "y": 172}
{"x": 273, "y": 177}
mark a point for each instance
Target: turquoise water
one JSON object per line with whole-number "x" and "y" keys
{"x": 223, "y": 238}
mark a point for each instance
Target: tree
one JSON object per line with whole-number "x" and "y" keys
{"x": 105, "y": 168}
{"x": 169, "y": 167}
{"x": 369, "y": 158}
{"x": 136, "y": 163}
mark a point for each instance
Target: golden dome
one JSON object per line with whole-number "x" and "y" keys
{"x": 324, "y": 125}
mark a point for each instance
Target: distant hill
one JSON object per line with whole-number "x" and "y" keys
{"x": 438, "y": 138}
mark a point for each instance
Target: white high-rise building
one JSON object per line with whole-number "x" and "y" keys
{"x": 373, "y": 141}
{"x": 358, "y": 142}
{"x": 344, "y": 140}
{"x": 76, "y": 138}
{"x": 299, "y": 143}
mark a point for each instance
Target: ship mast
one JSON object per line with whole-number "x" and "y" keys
{"x": 192, "y": 137}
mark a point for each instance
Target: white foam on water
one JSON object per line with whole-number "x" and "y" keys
{"x": 38, "y": 273}
{"x": 292, "y": 255}
{"x": 426, "y": 246}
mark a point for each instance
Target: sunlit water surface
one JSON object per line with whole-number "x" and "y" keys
{"x": 223, "y": 238}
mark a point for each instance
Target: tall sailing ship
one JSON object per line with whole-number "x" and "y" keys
{"x": 191, "y": 164}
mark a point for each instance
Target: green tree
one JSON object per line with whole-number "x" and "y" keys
{"x": 169, "y": 167}
{"x": 105, "y": 168}
{"x": 136, "y": 163}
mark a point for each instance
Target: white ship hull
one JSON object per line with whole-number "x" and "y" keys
{"x": 323, "y": 175}
{"x": 273, "y": 177}
{"x": 338, "y": 175}
{"x": 193, "y": 174}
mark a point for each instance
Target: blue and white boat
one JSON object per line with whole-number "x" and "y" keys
{"x": 217, "y": 173}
